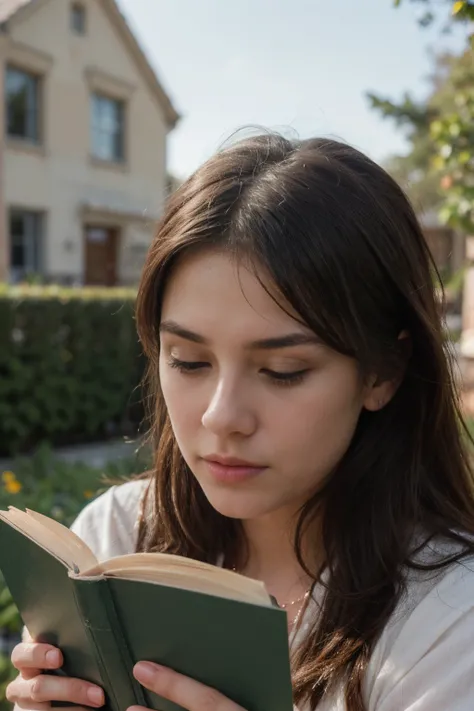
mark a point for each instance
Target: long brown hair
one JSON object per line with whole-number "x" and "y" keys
{"x": 344, "y": 248}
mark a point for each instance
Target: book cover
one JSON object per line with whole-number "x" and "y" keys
{"x": 105, "y": 623}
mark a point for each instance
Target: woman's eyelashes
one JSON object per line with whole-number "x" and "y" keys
{"x": 293, "y": 377}
{"x": 278, "y": 377}
{"x": 187, "y": 366}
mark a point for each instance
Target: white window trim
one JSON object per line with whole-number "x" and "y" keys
{"x": 32, "y": 61}
{"x": 28, "y": 59}
{"x": 102, "y": 83}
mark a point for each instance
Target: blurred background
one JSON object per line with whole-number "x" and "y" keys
{"x": 107, "y": 106}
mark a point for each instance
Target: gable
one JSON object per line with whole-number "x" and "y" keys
{"x": 10, "y": 7}
{"x": 15, "y": 11}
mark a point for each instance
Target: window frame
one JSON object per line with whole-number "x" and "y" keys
{"x": 78, "y": 19}
{"x": 99, "y": 101}
{"x": 33, "y": 123}
{"x": 33, "y": 242}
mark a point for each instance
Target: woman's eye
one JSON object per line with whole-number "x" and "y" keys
{"x": 277, "y": 377}
{"x": 289, "y": 378}
{"x": 187, "y": 366}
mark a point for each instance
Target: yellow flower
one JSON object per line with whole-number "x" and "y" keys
{"x": 7, "y": 477}
{"x": 13, "y": 486}
{"x": 88, "y": 494}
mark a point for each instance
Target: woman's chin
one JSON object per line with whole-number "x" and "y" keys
{"x": 238, "y": 507}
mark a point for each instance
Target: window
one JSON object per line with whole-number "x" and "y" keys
{"x": 26, "y": 236}
{"x": 22, "y": 104}
{"x": 107, "y": 128}
{"x": 78, "y": 18}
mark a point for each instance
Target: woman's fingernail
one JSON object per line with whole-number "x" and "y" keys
{"x": 53, "y": 658}
{"x": 95, "y": 696}
{"x": 145, "y": 671}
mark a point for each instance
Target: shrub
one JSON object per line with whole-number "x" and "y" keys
{"x": 70, "y": 365}
{"x": 60, "y": 490}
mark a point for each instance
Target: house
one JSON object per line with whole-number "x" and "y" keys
{"x": 83, "y": 163}
{"x": 448, "y": 247}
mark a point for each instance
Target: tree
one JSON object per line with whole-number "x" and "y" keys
{"x": 440, "y": 166}
{"x": 459, "y": 10}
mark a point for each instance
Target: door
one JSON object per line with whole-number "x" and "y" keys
{"x": 100, "y": 256}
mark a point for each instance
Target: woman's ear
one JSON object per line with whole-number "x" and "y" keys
{"x": 380, "y": 391}
{"x": 380, "y": 394}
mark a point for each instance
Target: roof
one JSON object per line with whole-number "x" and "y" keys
{"x": 13, "y": 10}
{"x": 9, "y": 7}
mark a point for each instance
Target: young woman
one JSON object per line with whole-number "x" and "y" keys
{"x": 306, "y": 431}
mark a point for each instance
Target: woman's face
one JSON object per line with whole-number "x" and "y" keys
{"x": 260, "y": 409}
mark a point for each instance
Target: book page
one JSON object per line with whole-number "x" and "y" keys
{"x": 184, "y": 573}
{"x": 83, "y": 556}
{"x": 59, "y": 540}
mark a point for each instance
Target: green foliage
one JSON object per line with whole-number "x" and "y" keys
{"x": 453, "y": 136}
{"x": 439, "y": 168}
{"x": 70, "y": 364}
{"x": 459, "y": 10}
{"x": 60, "y": 490}
{"x": 412, "y": 171}
{"x": 408, "y": 113}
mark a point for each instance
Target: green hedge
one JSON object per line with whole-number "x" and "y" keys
{"x": 70, "y": 365}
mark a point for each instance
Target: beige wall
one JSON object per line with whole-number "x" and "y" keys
{"x": 447, "y": 247}
{"x": 133, "y": 251}
{"x": 61, "y": 176}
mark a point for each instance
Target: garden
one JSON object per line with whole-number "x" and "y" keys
{"x": 70, "y": 372}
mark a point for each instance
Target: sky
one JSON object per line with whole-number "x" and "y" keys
{"x": 300, "y": 66}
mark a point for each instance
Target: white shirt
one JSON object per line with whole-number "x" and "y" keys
{"x": 424, "y": 660}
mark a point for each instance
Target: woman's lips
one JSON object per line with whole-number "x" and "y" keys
{"x": 225, "y": 470}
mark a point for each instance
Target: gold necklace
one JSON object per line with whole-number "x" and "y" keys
{"x": 300, "y": 611}
{"x": 302, "y": 599}
{"x": 285, "y": 605}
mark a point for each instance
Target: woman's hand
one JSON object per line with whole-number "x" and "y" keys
{"x": 186, "y": 692}
{"x": 34, "y": 690}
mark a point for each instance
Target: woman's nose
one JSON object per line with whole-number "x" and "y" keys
{"x": 230, "y": 410}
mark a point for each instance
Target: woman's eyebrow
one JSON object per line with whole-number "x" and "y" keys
{"x": 176, "y": 330}
{"x": 286, "y": 341}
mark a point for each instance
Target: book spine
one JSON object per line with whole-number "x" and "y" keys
{"x": 104, "y": 630}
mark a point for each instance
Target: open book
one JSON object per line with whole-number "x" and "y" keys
{"x": 206, "y": 622}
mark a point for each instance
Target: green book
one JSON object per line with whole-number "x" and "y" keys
{"x": 205, "y": 622}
